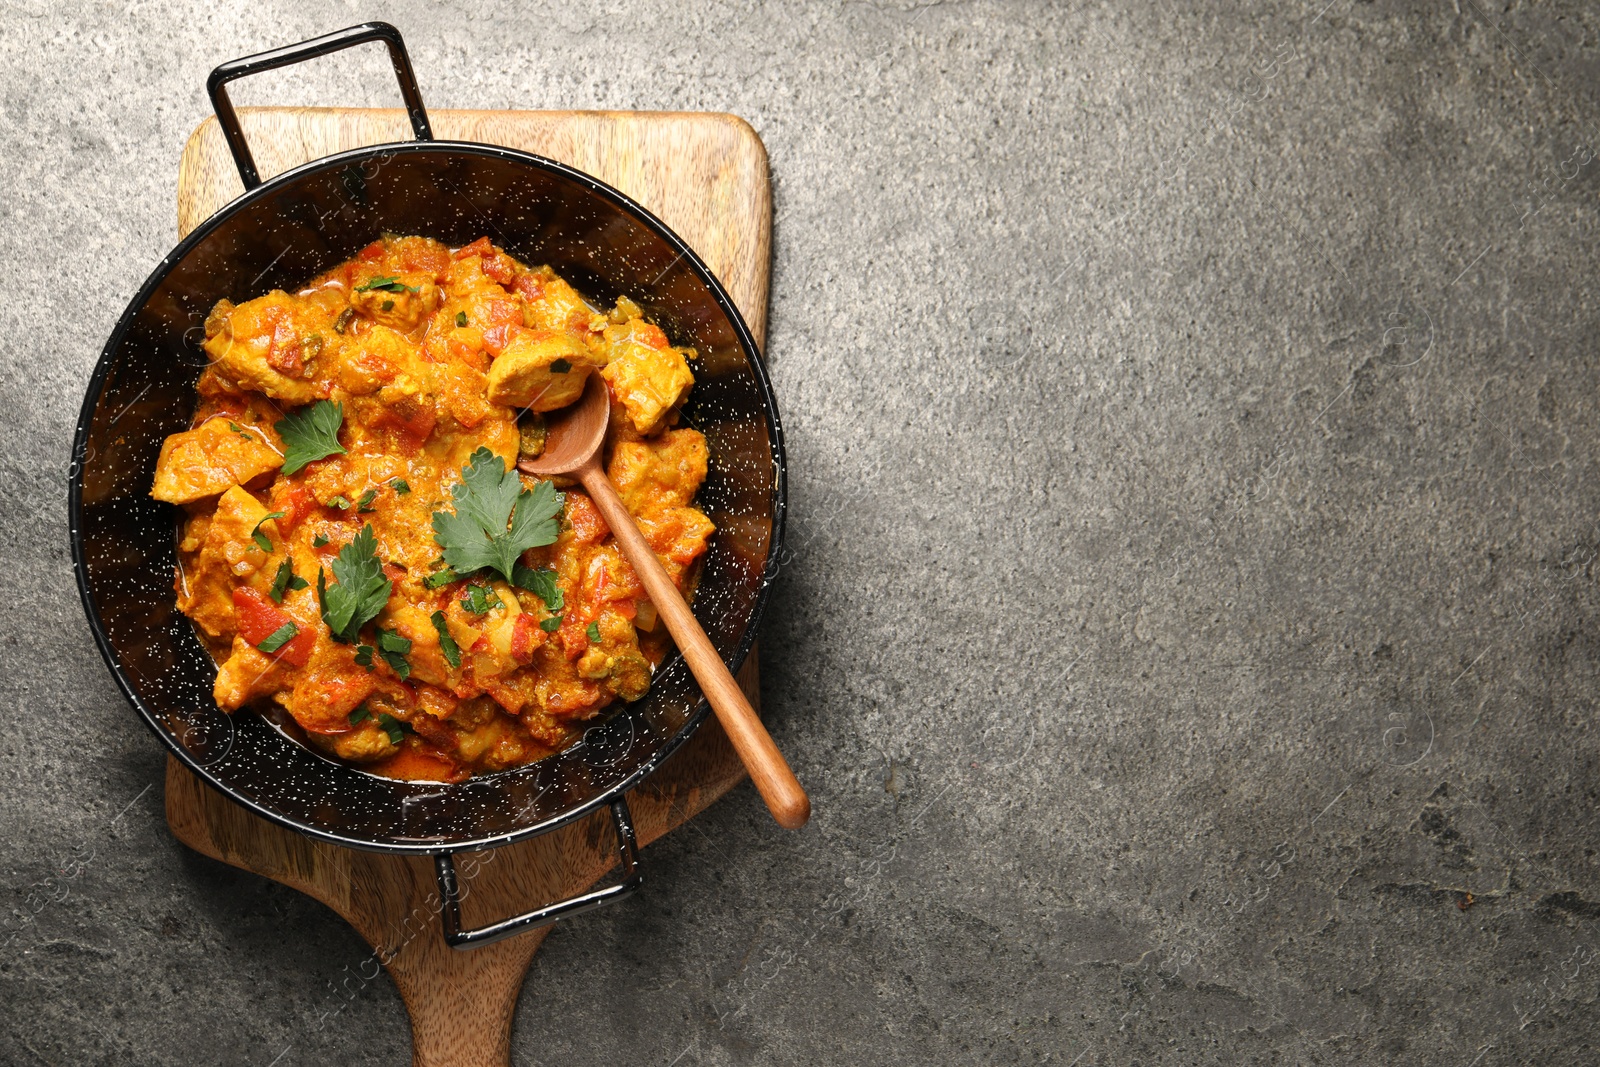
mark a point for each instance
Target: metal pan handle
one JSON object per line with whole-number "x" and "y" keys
{"x": 450, "y": 897}
{"x": 295, "y": 53}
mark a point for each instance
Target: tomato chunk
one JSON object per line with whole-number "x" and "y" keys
{"x": 480, "y": 247}
{"x": 259, "y": 619}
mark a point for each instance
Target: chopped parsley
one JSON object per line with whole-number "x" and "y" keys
{"x": 593, "y": 633}
{"x": 365, "y": 503}
{"x": 342, "y": 323}
{"x": 478, "y": 599}
{"x": 393, "y": 727}
{"x": 461, "y": 318}
{"x": 488, "y": 499}
{"x": 361, "y": 714}
{"x": 279, "y": 637}
{"x": 393, "y": 648}
{"x": 551, "y": 625}
{"x": 443, "y": 576}
{"x": 447, "y": 644}
{"x": 387, "y": 305}
{"x": 240, "y": 430}
{"x": 362, "y": 590}
{"x": 310, "y": 434}
{"x": 341, "y": 502}
{"x": 560, "y": 366}
{"x": 263, "y": 542}
{"x": 387, "y": 285}
{"x": 285, "y": 581}
{"x": 400, "y": 486}
{"x": 541, "y": 582}
{"x": 364, "y": 656}
{"x": 319, "y": 540}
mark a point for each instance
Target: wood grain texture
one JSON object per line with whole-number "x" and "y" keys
{"x": 706, "y": 177}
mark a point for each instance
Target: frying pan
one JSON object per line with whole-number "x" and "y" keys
{"x": 279, "y": 234}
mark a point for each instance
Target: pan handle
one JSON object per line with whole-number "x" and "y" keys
{"x": 295, "y": 53}
{"x": 450, "y": 897}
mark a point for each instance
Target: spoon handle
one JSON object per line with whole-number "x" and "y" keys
{"x": 773, "y": 779}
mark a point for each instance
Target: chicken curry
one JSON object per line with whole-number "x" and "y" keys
{"x": 358, "y": 550}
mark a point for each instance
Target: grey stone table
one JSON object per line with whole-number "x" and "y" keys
{"x": 1188, "y": 635}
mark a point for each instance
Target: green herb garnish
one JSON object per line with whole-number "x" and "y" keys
{"x": 361, "y": 714}
{"x": 393, "y": 648}
{"x": 447, "y": 644}
{"x": 364, "y": 656}
{"x": 319, "y": 540}
{"x": 240, "y": 430}
{"x": 400, "y": 486}
{"x": 387, "y": 305}
{"x": 279, "y": 637}
{"x": 487, "y": 499}
{"x": 551, "y": 625}
{"x": 541, "y": 582}
{"x": 263, "y": 542}
{"x": 478, "y": 599}
{"x": 285, "y": 581}
{"x": 461, "y": 318}
{"x": 341, "y": 502}
{"x": 362, "y": 590}
{"x": 560, "y": 366}
{"x": 388, "y": 285}
{"x": 593, "y": 633}
{"x": 393, "y": 727}
{"x": 365, "y": 503}
{"x": 444, "y": 576}
{"x": 310, "y": 434}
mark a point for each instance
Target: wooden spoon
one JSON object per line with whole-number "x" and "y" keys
{"x": 572, "y": 447}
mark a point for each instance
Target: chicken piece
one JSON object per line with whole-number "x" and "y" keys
{"x": 206, "y": 460}
{"x": 398, "y": 301}
{"x": 549, "y": 303}
{"x": 659, "y": 472}
{"x": 246, "y": 674}
{"x": 270, "y": 344}
{"x": 648, "y": 376}
{"x": 541, "y": 370}
{"x": 366, "y": 743}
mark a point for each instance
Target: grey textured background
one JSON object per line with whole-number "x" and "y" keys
{"x": 1192, "y": 428}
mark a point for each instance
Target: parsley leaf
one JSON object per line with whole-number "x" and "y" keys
{"x": 443, "y": 576}
{"x": 393, "y": 648}
{"x": 593, "y": 633}
{"x": 362, "y": 590}
{"x": 541, "y": 582}
{"x": 279, "y": 637}
{"x": 361, "y": 714}
{"x": 387, "y": 285}
{"x": 285, "y": 581}
{"x": 479, "y": 599}
{"x": 365, "y": 503}
{"x": 447, "y": 644}
{"x": 551, "y": 625}
{"x": 319, "y": 540}
{"x": 263, "y": 542}
{"x": 364, "y": 656}
{"x": 560, "y": 366}
{"x": 310, "y": 434}
{"x": 393, "y": 727}
{"x": 387, "y": 305}
{"x": 341, "y": 502}
{"x": 400, "y": 486}
{"x": 489, "y": 497}
{"x": 461, "y": 318}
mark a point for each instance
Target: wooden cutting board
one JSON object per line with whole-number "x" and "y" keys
{"x": 705, "y": 175}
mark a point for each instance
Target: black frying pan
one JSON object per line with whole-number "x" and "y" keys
{"x": 280, "y": 234}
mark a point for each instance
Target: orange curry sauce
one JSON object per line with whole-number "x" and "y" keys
{"x": 431, "y": 354}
